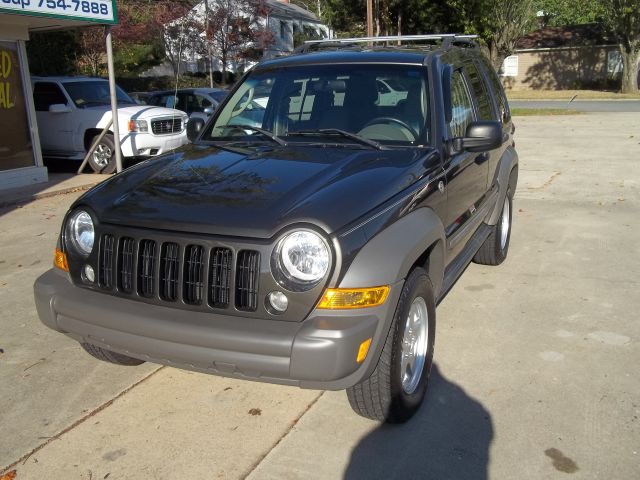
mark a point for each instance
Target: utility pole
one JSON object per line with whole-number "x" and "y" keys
{"x": 206, "y": 36}
{"x": 369, "y": 18}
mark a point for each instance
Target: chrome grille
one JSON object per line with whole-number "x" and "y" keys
{"x": 166, "y": 126}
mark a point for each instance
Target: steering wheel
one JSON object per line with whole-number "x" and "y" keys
{"x": 242, "y": 106}
{"x": 404, "y": 125}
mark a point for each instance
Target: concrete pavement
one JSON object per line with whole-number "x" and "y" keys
{"x": 536, "y": 360}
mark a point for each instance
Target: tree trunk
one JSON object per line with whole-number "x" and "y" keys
{"x": 630, "y": 64}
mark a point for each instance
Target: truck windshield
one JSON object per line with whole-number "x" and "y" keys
{"x": 386, "y": 104}
{"x": 94, "y": 93}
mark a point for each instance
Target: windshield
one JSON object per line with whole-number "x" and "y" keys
{"x": 302, "y": 103}
{"x": 94, "y": 93}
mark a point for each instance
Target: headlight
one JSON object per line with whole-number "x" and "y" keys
{"x": 303, "y": 257}
{"x": 81, "y": 232}
{"x": 139, "y": 126}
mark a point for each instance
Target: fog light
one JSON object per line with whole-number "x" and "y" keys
{"x": 89, "y": 274}
{"x": 278, "y": 301}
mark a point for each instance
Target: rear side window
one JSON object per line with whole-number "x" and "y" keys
{"x": 46, "y": 94}
{"x": 501, "y": 98}
{"x": 481, "y": 92}
{"x": 461, "y": 104}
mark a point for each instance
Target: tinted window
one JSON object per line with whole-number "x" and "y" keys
{"x": 47, "y": 94}
{"x": 462, "y": 106}
{"x": 503, "y": 104}
{"x": 481, "y": 93}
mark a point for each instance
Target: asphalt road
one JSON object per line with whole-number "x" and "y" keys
{"x": 599, "y": 106}
{"x": 535, "y": 362}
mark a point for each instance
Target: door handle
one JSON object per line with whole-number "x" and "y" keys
{"x": 483, "y": 157}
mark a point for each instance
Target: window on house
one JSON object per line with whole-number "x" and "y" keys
{"x": 283, "y": 29}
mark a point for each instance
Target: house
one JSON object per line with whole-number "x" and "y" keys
{"x": 570, "y": 57}
{"x": 288, "y": 23}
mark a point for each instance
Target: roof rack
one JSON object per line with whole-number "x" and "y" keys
{"x": 448, "y": 40}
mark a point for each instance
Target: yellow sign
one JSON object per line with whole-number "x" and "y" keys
{"x": 5, "y": 82}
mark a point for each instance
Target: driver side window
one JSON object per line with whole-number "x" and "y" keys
{"x": 462, "y": 106}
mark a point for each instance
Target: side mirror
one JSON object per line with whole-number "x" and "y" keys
{"x": 208, "y": 111}
{"x": 59, "y": 108}
{"x": 479, "y": 137}
{"x": 194, "y": 126}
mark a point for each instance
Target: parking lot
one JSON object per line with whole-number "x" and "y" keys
{"x": 536, "y": 363}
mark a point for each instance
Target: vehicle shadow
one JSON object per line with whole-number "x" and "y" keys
{"x": 449, "y": 438}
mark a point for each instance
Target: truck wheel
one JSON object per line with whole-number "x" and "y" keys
{"x": 109, "y": 356}
{"x": 494, "y": 249}
{"x": 397, "y": 386}
{"x": 103, "y": 158}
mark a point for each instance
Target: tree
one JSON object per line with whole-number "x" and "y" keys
{"x": 623, "y": 18}
{"x": 234, "y": 31}
{"x": 559, "y": 13}
{"x": 91, "y": 51}
{"x": 498, "y": 23}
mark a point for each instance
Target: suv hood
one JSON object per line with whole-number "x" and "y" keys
{"x": 139, "y": 112}
{"x": 256, "y": 193}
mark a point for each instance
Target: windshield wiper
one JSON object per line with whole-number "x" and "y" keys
{"x": 337, "y": 131}
{"x": 262, "y": 131}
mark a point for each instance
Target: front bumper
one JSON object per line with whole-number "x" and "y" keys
{"x": 149, "y": 145}
{"x": 319, "y": 352}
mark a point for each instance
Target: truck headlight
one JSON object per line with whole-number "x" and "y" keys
{"x": 303, "y": 258}
{"x": 81, "y": 232}
{"x": 140, "y": 126}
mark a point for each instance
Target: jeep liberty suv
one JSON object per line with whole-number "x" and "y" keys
{"x": 307, "y": 234}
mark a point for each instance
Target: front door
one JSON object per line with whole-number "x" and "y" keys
{"x": 466, "y": 172}
{"x": 54, "y": 128}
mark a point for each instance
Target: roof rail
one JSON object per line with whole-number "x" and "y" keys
{"x": 395, "y": 38}
{"x": 448, "y": 40}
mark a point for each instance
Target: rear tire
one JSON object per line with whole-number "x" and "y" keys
{"x": 396, "y": 388}
{"x": 103, "y": 158}
{"x": 495, "y": 248}
{"x": 109, "y": 356}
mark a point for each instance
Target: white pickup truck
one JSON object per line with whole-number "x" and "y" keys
{"x": 73, "y": 111}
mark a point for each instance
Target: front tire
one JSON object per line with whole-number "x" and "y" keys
{"x": 396, "y": 388}
{"x": 103, "y": 158}
{"x": 109, "y": 356}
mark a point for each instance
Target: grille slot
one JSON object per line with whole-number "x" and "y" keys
{"x": 193, "y": 282}
{"x": 146, "y": 268}
{"x": 220, "y": 277}
{"x": 166, "y": 126}
{"x": 169, "y": 271}
{"x": 247, "y": 272}
{"x": 125, "y": 264}
{"x": 105, "y": 268}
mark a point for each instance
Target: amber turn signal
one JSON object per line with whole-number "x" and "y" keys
{"x": 344, "y": 298}
{"x": 60, "y": 260}
{"x": 363, "y": 350}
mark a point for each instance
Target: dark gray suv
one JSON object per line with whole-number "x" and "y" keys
{"x": 307, "y": 234}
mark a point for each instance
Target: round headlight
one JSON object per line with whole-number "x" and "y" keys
{"x": 304, "y": 256}
{"x": 82, "y": 232}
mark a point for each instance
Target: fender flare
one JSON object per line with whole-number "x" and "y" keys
{"x": 388, "y": 257}
{"x": 504, "y": 179}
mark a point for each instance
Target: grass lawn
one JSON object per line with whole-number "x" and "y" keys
{"x": 568, "y": 94}
{"x": 521, "y": 112}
